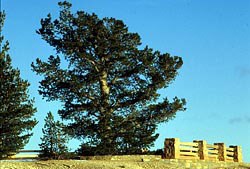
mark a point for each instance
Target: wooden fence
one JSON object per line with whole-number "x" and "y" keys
{"x": 26, "y": 154}
{"x": 200, "y": 150}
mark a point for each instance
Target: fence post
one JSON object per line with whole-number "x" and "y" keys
{"x": 222, "y": 151}
{"x": 172, "y": 148}
{"x": 237, "y": 153}
{"x": 202, "y": 149}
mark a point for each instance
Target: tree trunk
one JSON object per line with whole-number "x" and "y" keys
{"x": 106, "y": 114}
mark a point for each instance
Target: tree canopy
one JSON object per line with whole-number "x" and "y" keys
{"x": 108, "y": 83}
{"x": 16, "y": 109}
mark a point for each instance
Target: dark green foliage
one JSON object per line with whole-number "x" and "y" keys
{"x": 54, "y": 139}
{"x": 106, "y": 80}
{"x": 16, "y": 109}
{"x": 155, "y": 152}
{"x": 87, "y": 150}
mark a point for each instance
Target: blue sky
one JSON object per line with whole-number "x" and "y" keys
{"x": 212, "y": 37}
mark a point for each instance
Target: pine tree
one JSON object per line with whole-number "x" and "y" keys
{"x": 16, "y": 109}
{"x": 110, "y": 85}
{"x": 54, "y": 138}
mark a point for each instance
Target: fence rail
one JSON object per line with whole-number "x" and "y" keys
{"x": 26, "y": 154}
{"x": 188, "y": 150}
{"x": 199, "y": 149}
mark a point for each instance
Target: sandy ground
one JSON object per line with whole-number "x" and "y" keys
{"x": 99, "y": 164}
{"x": 91, "y": 164}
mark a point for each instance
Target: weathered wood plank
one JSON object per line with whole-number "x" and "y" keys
{"x": 212, "y": 156}
{"x": 230, "y": 154}
{"x": 17, "y": 156}
{"x": 230, "y": 159}
{"x": 212, "y": 146}
{"x": 230, "y": 149}
{"x": 212, "y": 151}
{"x": 189, "y": 144}
{"x": 189, "y": 154}
{"x": 189, "y": 149}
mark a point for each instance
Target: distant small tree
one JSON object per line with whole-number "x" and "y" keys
{"x": 54, "y": 138}
{"x": 16, "y": 109}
